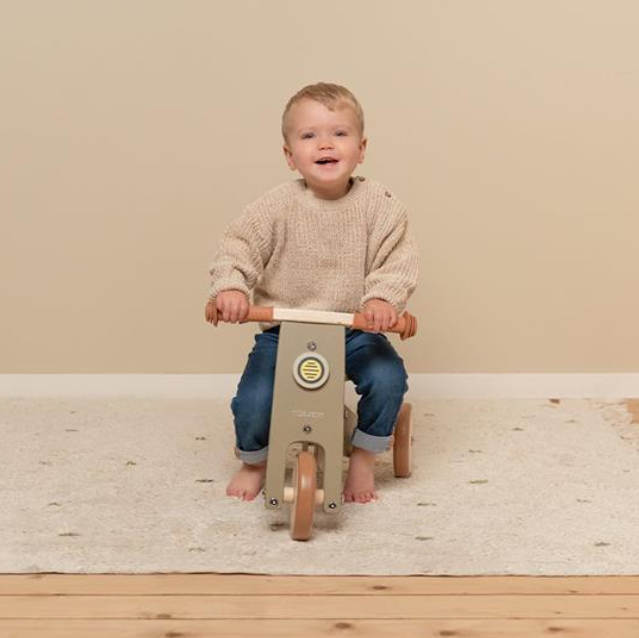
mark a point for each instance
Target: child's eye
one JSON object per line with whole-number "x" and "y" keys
{"x": 306, "y": 135}
{"x": 341, "y": 133}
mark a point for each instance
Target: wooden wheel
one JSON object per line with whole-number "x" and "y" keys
{"x": 402, "y": 441}
{"x": 304, "y": 486}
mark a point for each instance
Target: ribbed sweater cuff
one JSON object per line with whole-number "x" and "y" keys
{"x": 396, "y": 302}
{"x": 223, "y": 285}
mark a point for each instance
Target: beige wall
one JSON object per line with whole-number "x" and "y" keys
{"x": 132, "y": 132}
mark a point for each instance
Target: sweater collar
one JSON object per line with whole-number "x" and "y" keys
{"x": 308, "y": 200}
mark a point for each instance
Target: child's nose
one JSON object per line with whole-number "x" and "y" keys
{"x": 325, "y": 143}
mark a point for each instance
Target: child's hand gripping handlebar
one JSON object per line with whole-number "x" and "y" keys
{"x": 406, "y": 325}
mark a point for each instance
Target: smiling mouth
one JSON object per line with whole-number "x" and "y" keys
{"x": 326, "y": 161}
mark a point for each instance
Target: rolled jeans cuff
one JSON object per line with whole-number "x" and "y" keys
{"x": 375, "y": 444}
{"x": 252, "y": 457}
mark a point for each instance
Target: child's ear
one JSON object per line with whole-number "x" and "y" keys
{"x": 362, "y": 149}
{"x": 289, "y": 157}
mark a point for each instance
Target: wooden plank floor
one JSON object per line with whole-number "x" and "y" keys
{"x": 203, "y": 605}
{"x": 233, "y": 605}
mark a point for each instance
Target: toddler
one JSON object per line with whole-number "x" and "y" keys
{"x": 331, "y": 241}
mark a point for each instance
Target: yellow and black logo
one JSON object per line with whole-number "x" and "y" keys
{"x": 311, "y": 371}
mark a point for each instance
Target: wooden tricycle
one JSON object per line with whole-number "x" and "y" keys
{"x": 308, "y": 408}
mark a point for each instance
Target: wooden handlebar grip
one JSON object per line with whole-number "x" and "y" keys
{"x": 256, "y": 313}
{"x": 259, "y": 313}
{"x": 406, "y": 325}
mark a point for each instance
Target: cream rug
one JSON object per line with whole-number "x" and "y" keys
{"x": 499, "y": 487}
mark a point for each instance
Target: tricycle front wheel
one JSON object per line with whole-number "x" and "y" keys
{"x": 304, "y": 486}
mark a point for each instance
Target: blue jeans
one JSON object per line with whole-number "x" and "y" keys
{"x": 371, "y": 363}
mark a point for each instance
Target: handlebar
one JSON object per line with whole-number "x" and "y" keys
{"x": 406, "y": 325}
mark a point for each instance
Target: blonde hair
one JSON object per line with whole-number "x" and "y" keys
{"x": 331, "y": 96}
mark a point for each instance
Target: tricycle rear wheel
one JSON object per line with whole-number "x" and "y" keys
{"x": 402, "y": 441}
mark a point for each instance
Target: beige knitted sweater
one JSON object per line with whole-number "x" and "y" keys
{"x": 294, "y": 250}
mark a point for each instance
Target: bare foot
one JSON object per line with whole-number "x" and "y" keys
{"x": 360, "y": 481}
{"x": 247, "y": 481}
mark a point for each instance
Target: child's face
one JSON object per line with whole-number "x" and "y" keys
{"x": 314, "y": 132}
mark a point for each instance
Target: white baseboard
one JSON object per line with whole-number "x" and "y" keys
{"x": 435, "y": 386}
